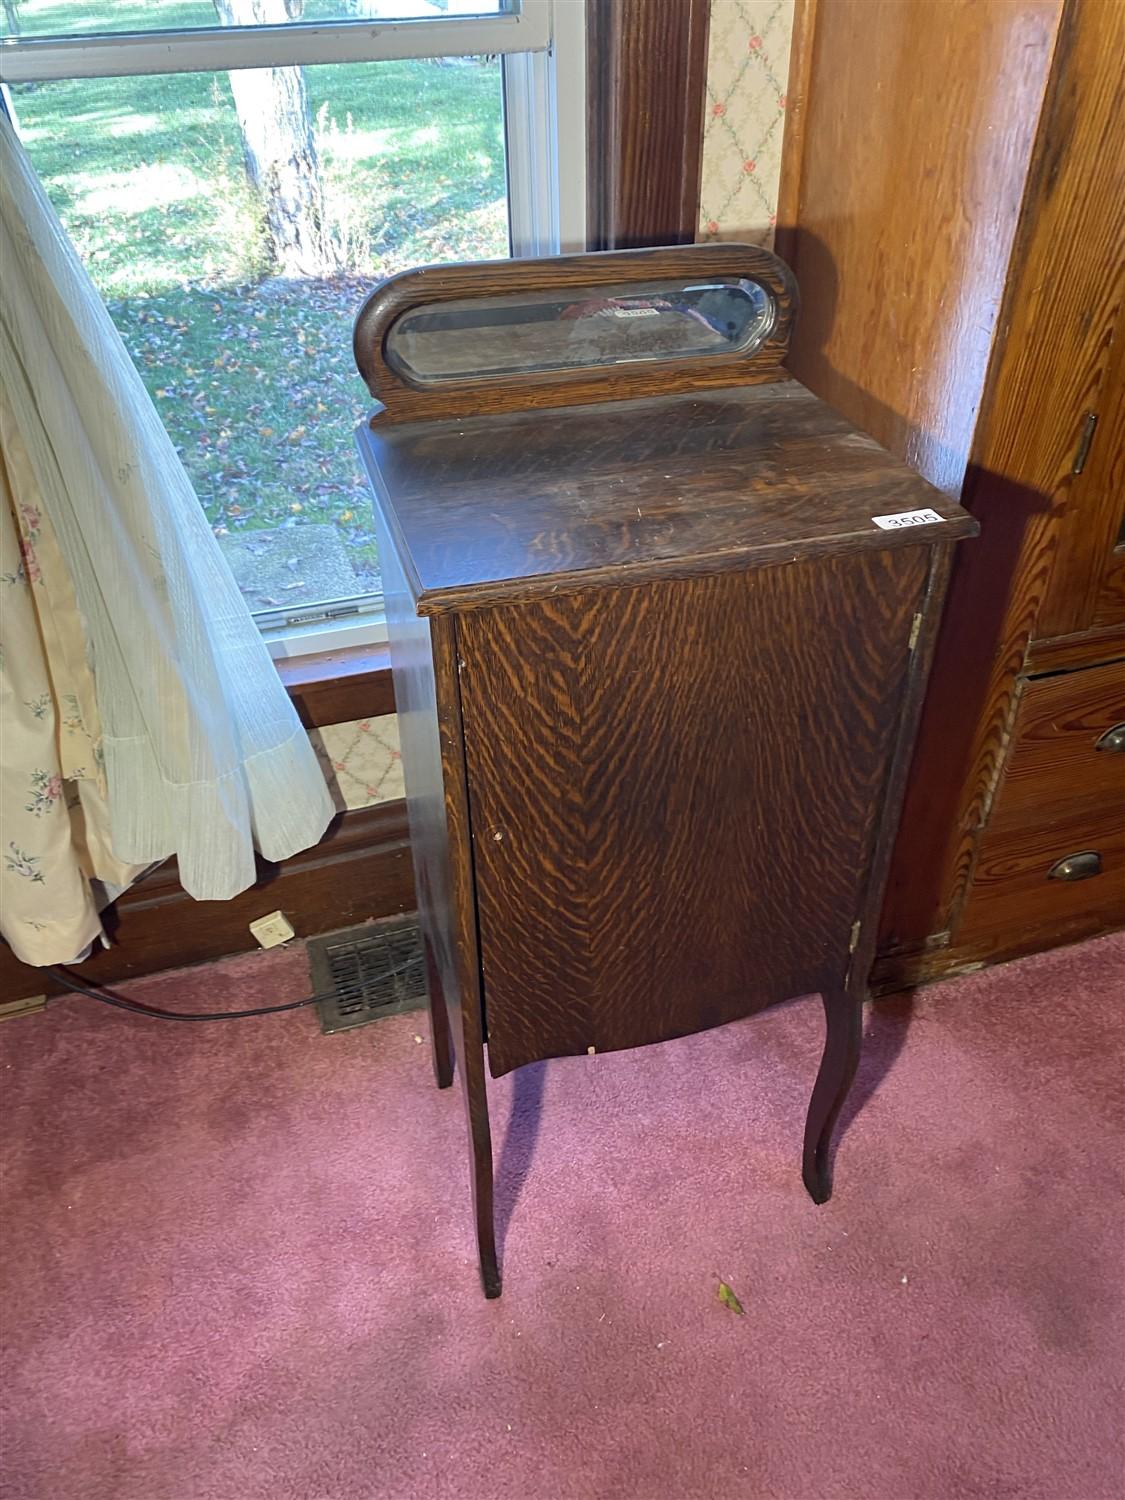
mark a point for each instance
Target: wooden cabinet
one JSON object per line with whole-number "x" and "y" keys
{"x": 953, "y": 206}
{"x": 660, "y": 623}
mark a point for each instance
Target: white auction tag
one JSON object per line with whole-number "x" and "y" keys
{"x": 907, "y": 518}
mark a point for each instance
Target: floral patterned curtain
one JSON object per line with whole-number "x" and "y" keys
{"x": 58, "y": 866}
{"x": 141, "y": 714}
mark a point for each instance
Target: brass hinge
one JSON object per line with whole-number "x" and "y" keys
{"x": 915, "y": 631}
{"x": 853, "y": 941}
{"x": 1085, "y": 438}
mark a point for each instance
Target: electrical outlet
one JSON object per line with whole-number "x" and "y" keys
{"x": 273, "y": 930}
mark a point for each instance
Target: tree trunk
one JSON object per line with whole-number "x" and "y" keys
{"x": 12, "y": 18}
{"x": 279, "y": 149}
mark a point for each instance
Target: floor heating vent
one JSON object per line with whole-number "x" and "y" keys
{"x": 365, "y": 973}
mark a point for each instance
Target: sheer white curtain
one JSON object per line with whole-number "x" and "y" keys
{"x": 201, "y": 753}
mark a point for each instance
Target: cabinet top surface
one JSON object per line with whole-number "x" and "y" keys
{"x": 492, "y": 509}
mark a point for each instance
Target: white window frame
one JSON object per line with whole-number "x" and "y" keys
{"x": 525, "y": 27}
{"x": 542, "y": 46}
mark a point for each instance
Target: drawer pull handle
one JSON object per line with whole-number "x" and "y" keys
{"x": 1112, "y": 741}
{"x": 1076, "y": 866}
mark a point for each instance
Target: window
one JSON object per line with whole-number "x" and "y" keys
{"x": 237, "y": 180}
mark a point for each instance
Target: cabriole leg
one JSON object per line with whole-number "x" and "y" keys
{"x": 843, "y": 1013}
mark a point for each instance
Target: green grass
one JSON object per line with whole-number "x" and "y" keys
{"x": 253, "y": 375}
{"x": 147, "y": 174}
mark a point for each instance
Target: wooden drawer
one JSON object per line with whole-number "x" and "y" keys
{"x": 1012, "y": 897}
{"x": 1053, "y": 762}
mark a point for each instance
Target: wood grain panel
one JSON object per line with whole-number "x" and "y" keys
{"x": 1053, "y": 759}
{"x": 796, "y": 116}
{"x": 674, "y": 795}
{"x": 646, "y": 87}
{"x": 1060, "y": 313}
{"x": 505, "y": 508}
{"x": 917, "y": 132}
{"x": 1109, "y": 604}
{"x": 424, "y": 661}
{"x": 924, "y": 634}
{"x": 430, "y": 737}
{"x": 1090, "y": 508}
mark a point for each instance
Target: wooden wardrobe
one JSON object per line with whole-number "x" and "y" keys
{"x": 953, "y": 206}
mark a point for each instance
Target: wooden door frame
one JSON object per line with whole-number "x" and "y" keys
{"x": 646, "y": 87}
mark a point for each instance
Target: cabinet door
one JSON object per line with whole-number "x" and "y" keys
{"x": 674, "y": 789}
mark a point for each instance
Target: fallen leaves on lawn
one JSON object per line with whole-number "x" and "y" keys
{"x": 265, "y": 437}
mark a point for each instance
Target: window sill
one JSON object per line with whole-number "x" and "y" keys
{"x": 335, "y": 687}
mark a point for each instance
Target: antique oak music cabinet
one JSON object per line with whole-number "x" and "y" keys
{"x": 660, "y": 623}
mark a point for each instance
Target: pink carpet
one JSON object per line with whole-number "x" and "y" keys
{"x": 238, "y": 1265}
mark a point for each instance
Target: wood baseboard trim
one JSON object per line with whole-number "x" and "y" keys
{"x": 360, "y": 870}
{"x": 910, "y": 969}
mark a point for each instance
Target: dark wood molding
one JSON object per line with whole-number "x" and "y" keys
{"x": 646, "y": 81}
{"x": 793, "y": 142}
{"x": 334, "y": 687}
{"x": 360, "y": 870}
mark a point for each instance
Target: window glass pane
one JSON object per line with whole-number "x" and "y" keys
{"x": 30, "y": 18}
{"x": 234, "y": 223}
{"x": 573, "y": 328}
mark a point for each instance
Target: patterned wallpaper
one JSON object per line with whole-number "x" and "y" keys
{"x": 361, "y": 760}
{"x": 747, "y": 68}
{"x": 747, "y": 73}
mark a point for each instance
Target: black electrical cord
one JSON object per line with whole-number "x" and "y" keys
{"x": 154, "y": 1012}
{"x": 107, "y": 997}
